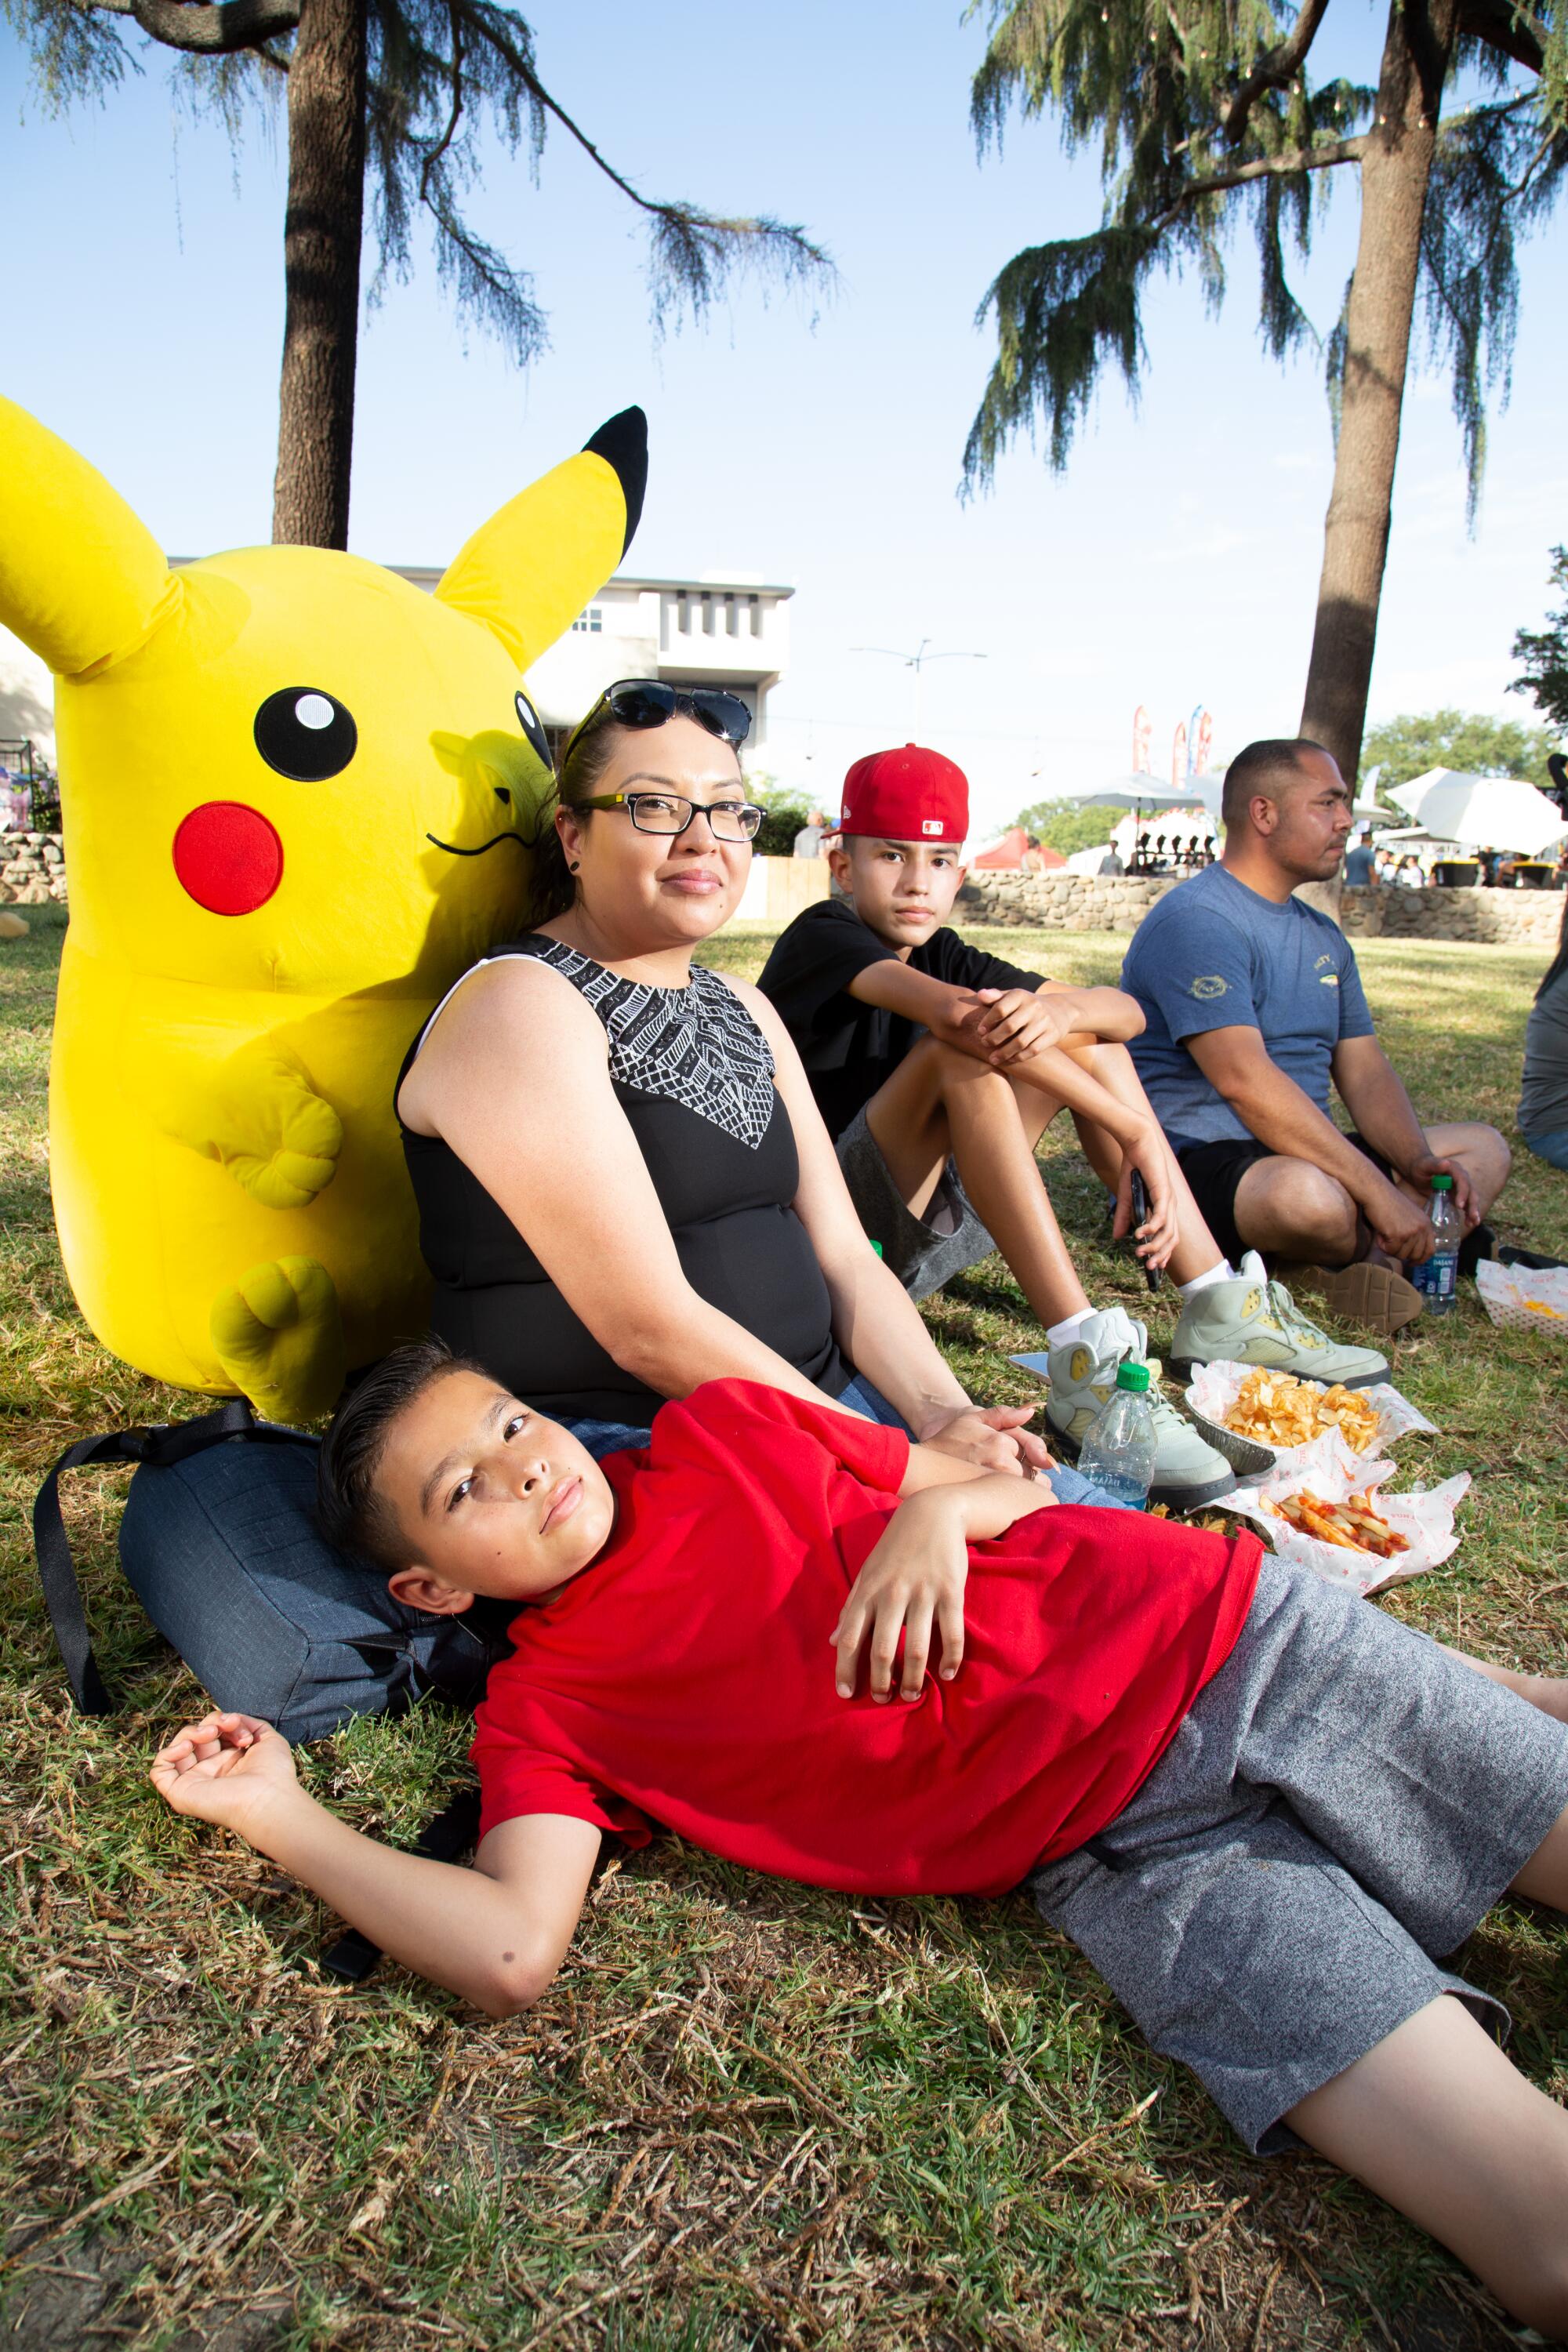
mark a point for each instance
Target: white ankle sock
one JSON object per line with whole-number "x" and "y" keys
{"x": 1223, "y": 1272}
{"x": 1058, "y": 1334}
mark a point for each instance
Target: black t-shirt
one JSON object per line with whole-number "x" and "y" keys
{"x": 850, "y": 1049}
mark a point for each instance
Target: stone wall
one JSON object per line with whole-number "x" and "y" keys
{"x": 32, "y": 869}
{"x": 1104, "y": 902}
{"x": 1496, "y": 916}
{"x": 1062, "y": 902}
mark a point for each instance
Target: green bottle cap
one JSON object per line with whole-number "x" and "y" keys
{"x": 1442, "y": 1184}
{"x": 1132, "y": 1376}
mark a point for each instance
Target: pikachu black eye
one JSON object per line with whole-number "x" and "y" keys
{"x": 305, "y": 734}
{"x": 532, "y": 726}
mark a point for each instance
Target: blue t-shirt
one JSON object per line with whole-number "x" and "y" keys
{"x": 1360, "y": 867}
{"x": 1211, "y": 954}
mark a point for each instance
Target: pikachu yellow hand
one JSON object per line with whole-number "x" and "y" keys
{"x": 258, "y": 1114}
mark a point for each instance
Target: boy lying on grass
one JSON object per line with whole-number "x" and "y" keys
{"x": 1262, "y": 1808}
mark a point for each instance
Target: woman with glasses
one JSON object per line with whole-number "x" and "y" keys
{"x": 624, "y": 1184}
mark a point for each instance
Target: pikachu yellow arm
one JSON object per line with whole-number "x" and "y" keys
{"x": 254, "y": 1112}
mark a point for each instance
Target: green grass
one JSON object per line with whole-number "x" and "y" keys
{"x": 747, "y": 2114}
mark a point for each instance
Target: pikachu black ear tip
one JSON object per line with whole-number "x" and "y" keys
{"x": 622, "y": 442}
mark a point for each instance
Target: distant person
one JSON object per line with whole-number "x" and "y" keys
{"x": 1033, "y": 861}
{"x": 1111, "y": 861}
{"x": 1486, "y": 865}
{"x": 1543, "y": 1101}
{"x": 1408, "y": 875}
{"x": 1252, "y": 1007}
{"x": 1359, "y": 862}
{"x": 809, "y": 841}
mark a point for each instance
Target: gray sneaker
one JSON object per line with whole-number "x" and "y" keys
{"x": 1188, "y": 1472}
{"x": 1252, "y": 1320}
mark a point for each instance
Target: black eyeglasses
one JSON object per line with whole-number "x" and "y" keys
{"x": 670, "y": 813}
{"x": 649, "y": 702}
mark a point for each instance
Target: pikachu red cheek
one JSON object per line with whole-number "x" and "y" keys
{"x": 228, "y": 858}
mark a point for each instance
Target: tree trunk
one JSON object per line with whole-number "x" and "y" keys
{"x": 1394, "y": 172}
{"x": 321, "y": 235}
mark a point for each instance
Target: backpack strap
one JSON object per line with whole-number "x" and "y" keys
{"x": 163, "y": 1445}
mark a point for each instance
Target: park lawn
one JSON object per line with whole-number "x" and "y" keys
{"x": 747, "y": 2114}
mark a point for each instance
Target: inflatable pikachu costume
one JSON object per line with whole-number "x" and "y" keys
{"x": 297, "y": 795}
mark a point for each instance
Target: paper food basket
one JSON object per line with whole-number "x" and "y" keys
{"x": 1332, "y": 1472}
{"x": 1215, "y": 1387}
{"x": 1520, "y": 1300}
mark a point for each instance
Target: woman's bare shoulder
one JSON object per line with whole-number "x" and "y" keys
{"x": 513, "y": 1018}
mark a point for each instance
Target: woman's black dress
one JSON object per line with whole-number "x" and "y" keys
{"x": 694, "y": 1076}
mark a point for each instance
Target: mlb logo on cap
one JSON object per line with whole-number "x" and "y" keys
{"x": 910, "y": 794}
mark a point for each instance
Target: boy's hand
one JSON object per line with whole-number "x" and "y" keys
{"x": 221, "y": 1768}
{"x": 991, "y": 1436}
{"x": 916, "y": 1574}
{"x": 1152, "y": 1156}
{"x": 1016, "y": 1023}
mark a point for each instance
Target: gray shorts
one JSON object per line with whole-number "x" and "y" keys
{"x": 923, "y": 1252}
{"x": 1343, "y": 1804}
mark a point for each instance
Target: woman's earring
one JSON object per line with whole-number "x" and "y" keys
{"x": 573, "y": 863}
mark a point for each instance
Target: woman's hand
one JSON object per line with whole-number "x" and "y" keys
{"x": 991, "y": 1436}
{"x": 1150, "y": 1155}
{"x": 222, "y": 1769}
{"x": 915, "y": 1576}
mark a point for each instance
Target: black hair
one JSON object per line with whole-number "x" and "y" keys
{"x": 553, "y": 890}
{"x": 1272, "y": 760}
{"x": 350, "y": 1511}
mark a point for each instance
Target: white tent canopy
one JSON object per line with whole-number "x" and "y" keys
{"x": 1485, "y": 811}
{"x": 1134, "y": 791}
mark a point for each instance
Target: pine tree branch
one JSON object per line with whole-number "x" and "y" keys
{"x": 1265, "y": 167}
{"x": 1278, "y": 69}
{"x": 209, "y": 28}
{"x": 1507, "y": 28}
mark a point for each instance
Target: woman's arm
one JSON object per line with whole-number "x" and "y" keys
{"x": 875, "y": 1321}
{"x": 515, "y": 1078}
{"x": 496, "y": 1933}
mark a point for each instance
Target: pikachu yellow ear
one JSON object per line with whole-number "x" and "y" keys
{"x": 529, "y": 571}
{"x": 82, "y": 581}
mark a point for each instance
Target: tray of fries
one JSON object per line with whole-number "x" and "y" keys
{"x": 1326, "y": 1509}
{"x": 1520, "y": 1297}
{"x": 1260, "y": 1419}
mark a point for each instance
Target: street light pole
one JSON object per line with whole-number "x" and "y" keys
{"x": 916, "y": 662}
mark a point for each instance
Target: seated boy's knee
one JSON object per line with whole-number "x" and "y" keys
{"x": 1536, "y": 2289}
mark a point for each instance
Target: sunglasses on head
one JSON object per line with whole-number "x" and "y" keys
{"x": 648, "y": 702}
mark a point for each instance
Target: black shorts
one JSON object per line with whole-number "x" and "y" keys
{"x": 1214, "y": 1170}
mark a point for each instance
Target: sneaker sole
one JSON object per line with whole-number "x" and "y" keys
{"x": 1372, "y": 1295}
{"x": 1175, "y": 1498}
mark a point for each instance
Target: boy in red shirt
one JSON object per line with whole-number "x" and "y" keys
{"x": 1261, "y": 1806}
{"x": 936, "y": 1068}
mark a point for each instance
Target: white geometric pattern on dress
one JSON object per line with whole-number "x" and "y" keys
{"x": 698, "y": 1047}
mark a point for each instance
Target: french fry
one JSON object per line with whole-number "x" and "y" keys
{"x": 1351, "y": 1525}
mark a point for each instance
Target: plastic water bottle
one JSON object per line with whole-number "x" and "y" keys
{"x": 1117, "y": 1450}
{"x": 1437, "y": 1279}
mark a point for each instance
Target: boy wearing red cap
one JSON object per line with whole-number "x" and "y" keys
{"x": 937, "y": 1068}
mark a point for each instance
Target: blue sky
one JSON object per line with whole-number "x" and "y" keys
{"x": 1176, "y": 561}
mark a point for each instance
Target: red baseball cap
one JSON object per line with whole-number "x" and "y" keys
{"x": 905, "y": 795}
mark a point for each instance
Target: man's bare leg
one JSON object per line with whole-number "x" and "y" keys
{"x": 1480, "y": 1151}
{"x": 1438, "y": 2121}
{"x": 941, "y": 1104}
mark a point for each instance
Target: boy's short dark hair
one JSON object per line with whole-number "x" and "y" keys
{"x": 350, "y": 1511}
{"x": 1273, "y": 760}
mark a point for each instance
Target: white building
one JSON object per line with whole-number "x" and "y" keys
{"x": 728, "y": 629}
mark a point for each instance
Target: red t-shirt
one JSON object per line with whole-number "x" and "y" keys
{"x": 685, "y": 1676}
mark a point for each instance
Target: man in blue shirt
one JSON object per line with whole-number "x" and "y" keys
{"x": 1252, "y": 1007}
{"x": 1359, "y": 862}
